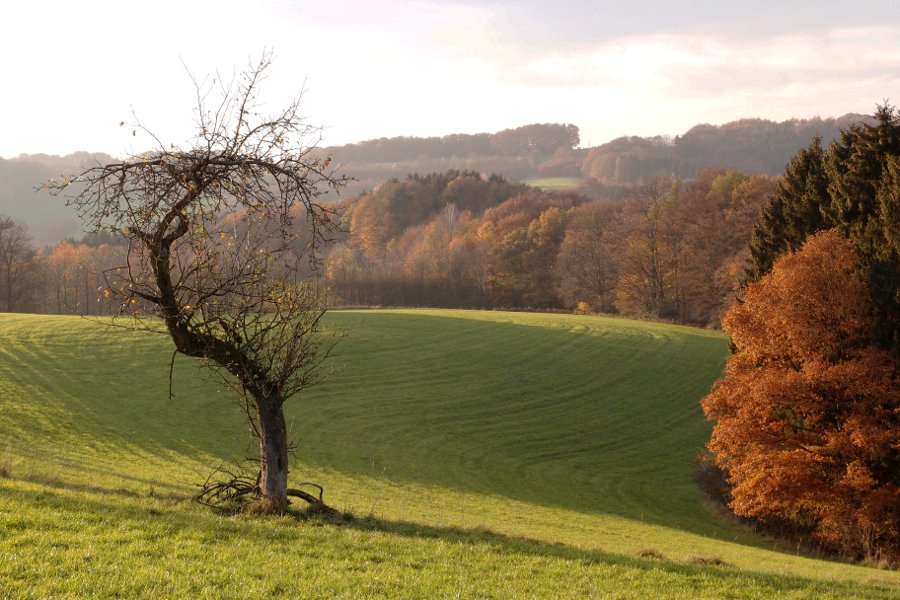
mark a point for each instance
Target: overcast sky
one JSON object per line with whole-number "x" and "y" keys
{"x": 71, "y": 71}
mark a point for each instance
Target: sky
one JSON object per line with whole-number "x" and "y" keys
{"x": 72, "y": 71}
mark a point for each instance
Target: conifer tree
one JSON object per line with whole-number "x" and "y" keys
{"x": 864, "y": 186}
{"x": 798, "y": 209}
{"x": 854, "y": 186}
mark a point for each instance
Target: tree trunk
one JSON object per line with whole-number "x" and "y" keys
{"x": 273, "y": 454}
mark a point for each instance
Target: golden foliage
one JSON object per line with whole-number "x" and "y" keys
{"x": 808, "y": 414}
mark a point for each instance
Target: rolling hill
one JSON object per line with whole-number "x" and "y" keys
{"x": 477, "y": 454}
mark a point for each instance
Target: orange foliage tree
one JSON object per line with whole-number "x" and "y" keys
{"x": 808, "y": 413}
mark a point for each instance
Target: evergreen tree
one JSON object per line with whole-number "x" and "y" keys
{"x": 797, "y": 210}
{"x": 864, "y": 186}
{"x": 855, "y": 187}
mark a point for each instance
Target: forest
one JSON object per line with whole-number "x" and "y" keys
{"x": 667, "y": 248}
{"x": 660, "y": 246}
{"x": 648, "y": 234}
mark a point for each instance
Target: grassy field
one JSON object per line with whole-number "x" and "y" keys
{"x": 554, "y": 183}
{"x": 481, "y": 454}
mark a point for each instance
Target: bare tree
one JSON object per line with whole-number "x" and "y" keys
{"x": 221, "y": 237}
{"x": 16, "y": 253}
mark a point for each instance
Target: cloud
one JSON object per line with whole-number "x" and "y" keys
{"x": 664, "y": 83}
{"x": 419, "y": 67}
{"x": 665, "y": 62}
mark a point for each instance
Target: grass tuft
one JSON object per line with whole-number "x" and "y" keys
{"x": 5, "y": 462}
{"x": 36, "y": 475}
{"x": 707, "y": 560}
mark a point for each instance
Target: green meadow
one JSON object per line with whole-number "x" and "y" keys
{"x": 554, "y": 183}
{"x": 473, "y": 454}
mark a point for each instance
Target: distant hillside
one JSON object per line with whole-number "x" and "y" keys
{"x": 48, "y": 219}
{"x": 530, "y": 139}
{"x": 547, "y": 150}
{"x": 752, "y": 146}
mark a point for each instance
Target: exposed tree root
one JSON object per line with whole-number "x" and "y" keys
{"x": 241, "y": 488}
{"x": 316, "y": 504}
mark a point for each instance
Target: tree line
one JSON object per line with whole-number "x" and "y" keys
{"x": 543, "y": 138}
{"x": 746, "y": 145}
{"x": 69, "y": 277}
{"x": 552, "y": 150}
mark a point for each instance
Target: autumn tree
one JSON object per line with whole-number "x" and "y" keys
{"x": 76, "y": 277}
{"x": 808, "y": 413}
{"x": 212, "y": 230}
{"x": 468, "y": 191}
{"x": 62, "y": 268}
{"x": 435, "y": 258}
{"x": 585, "y": 266}
{"x": 712, "y": 222}
{"x": 525, "y": 234}
{"x": 647, "y": 264}
{"x": 371, "y": 226}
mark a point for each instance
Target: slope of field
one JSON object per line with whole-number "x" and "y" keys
{"x": 491, "y": 455}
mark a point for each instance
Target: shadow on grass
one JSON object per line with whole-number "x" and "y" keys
{"x": 710, "y": 568}
{"x": 77, "y": 502}
{"x": 153, "y": 489}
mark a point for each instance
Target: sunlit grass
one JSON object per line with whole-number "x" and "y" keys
{"x": 554, "y": 183}
{"x": 482, "y": 454}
